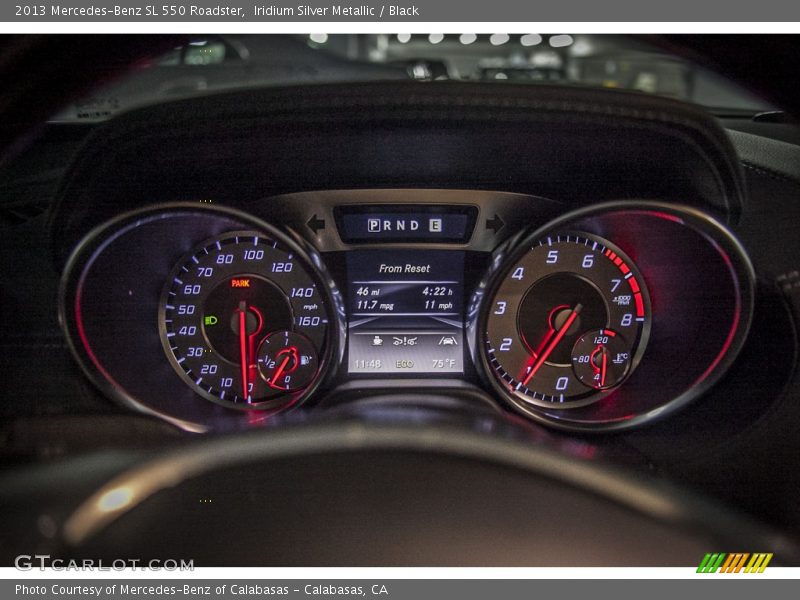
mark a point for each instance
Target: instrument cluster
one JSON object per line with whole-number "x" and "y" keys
{"x": 594, "y": 319}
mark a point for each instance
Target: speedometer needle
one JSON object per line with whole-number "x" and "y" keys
{"x": 247, "y": 343}
{"x": 559, "y": 335}
{"x": 243, "y": 348}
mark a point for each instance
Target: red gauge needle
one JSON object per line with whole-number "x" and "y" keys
{"x": 243, "y": 348}
{"x": 247, "y": 343}
{"x": 603, "y": 368}
{"x": 290, "y": 354}
{"x": 279, "y": 371}
{"x": 551, "y": 345}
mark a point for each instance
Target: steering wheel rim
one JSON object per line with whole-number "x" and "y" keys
{"x": 126, "y": 503}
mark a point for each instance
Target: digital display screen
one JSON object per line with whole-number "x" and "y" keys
{"x": 405, "y": 311}
{"x": 406, "y": 224}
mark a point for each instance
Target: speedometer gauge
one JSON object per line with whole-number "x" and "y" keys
{"x": 568, "y": 322}
{"x": 243, "y": 322}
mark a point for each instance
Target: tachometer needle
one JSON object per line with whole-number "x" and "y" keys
{"x": 559, "y": 335}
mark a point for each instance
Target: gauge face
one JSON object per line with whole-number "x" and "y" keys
{"x": 287, "y": 361}
{"x": 243, "y": 322}
{"x": 568, "y": 322}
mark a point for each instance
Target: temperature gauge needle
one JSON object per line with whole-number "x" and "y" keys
{"x": 559, "y": 335}
{"x": 602, "y": 368}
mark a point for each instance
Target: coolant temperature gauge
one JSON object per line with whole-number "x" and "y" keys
{"x": 601, "y": 358}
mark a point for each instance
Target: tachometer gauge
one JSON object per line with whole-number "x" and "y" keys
{"x": 242, "y": 321}
{"x": 568, "y": 322}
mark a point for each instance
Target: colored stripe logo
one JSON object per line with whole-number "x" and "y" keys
{"x": 737, "y": 562}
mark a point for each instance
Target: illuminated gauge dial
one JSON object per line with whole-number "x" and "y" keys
{"x": 567, "y": 323}
{"x": 287, "y": 361}
{"x": 235, "y": 301}
{"x": 601, "y": 358}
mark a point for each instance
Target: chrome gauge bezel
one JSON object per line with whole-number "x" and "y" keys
{"x": 204, "y": 415}
{"x": 277, "y": 401}
{"x": 640, "y": 343}
{"x": 713, "y": 232}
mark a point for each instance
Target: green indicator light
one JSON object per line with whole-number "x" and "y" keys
{"x": 210, "y": 320}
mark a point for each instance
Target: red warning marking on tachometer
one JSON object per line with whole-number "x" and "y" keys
{"x": 639, "y": 304}
{"x": 634, "y": 285}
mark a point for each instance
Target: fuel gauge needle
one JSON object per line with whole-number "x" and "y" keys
{"x": 290, "y": 354}
{"x": 279, "y": 371}
{"x": 559, "y": 335}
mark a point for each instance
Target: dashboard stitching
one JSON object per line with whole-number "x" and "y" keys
{"x": 772, "y": 174}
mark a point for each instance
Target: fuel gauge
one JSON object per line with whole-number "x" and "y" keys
{"x": 287, "y": 361}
